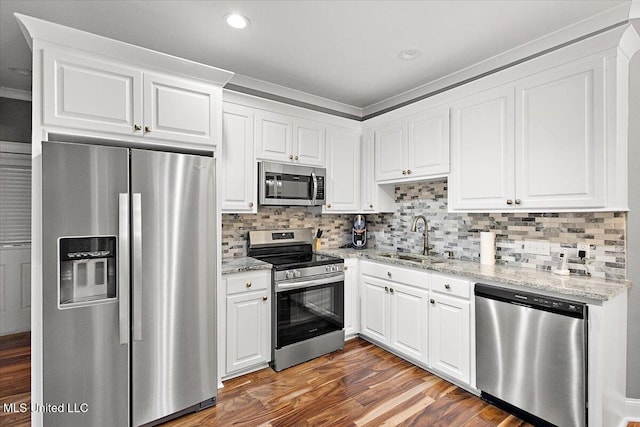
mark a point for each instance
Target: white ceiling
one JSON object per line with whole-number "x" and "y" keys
{"x": 344, "y": 51}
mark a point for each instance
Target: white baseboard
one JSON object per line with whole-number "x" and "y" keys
{"x": 632, "y": 410}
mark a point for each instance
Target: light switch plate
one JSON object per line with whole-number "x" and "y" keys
{"x": 537, "y": 247}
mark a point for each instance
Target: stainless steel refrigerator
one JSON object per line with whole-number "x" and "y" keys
{"x": 128, "y": 284}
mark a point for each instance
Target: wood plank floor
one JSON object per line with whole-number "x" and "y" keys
{"x": 360, "y": 386}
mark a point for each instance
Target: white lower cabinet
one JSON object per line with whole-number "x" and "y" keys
{"x": 351, "y": 298}
{"x": 395, "y": 314}
{"x": 449, "y": 336}
{"x": 248, "y": 321}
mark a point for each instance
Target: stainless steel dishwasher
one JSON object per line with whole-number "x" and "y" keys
{"x": 531, "y": 355}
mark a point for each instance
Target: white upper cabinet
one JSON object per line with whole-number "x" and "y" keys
{"x": 96, "y": 95}
{"x": 482, "y": 167}
{"x": 373, "y": 197}
{"x": 536, "y": 144}
{"x": 343, "y": 172}
{"x": 238, "y": 167}
{"x": 413, "y": 148}
{"x": 103, "y": 96}
{"x": 179, "y": 110}
{"x": 559, "y": 138}
{"x": 283, "y": 138}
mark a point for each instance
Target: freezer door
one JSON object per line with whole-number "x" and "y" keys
{"x": 85, "y": 351}
{"x": 173, "y": 267}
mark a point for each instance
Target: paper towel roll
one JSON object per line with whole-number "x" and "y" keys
{"x": 487, "y": 248}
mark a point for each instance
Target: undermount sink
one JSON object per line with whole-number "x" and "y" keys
{"x": 423, "y": 259}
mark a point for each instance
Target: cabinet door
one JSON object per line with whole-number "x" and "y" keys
{"x": 428, "y": 143}
{"x": 482, "y": 151}
{"x": 180, "y": 110}
{"x": 95, "y": 95}
{"x": 351, "y": 298}
{"x": 449, "y": 342}
{"x": 309, "y": 145}
{"x": 374, "y": 309}
{"x": 560, "y": 150}
{"x": 343, "y": 172}
{"x": 373, "y": 197}
{"x": 238, "y": 167}
{"x": 390, "y": 156}
{"x": 273, "y": 137}
{"x": 409, "y": 321}
{"x": 248, "y": 333}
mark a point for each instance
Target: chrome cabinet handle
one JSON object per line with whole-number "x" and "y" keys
{"x": 264, "y": 298}
{"x": 137, "y": 267}
{"x": 137, "y": 127}
{"x": 447, "y": 286}
{"x": 509, "y": 201}
{"x": 248, "y": 284}
{"x": 518, "y": 201}
{"x": 123, "y": 267}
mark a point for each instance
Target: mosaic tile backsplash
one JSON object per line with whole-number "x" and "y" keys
{"x": 604, "y": 232}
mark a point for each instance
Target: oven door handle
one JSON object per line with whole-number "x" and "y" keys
{"x": 309, "y": 283}
{"x": 315, "y": 188}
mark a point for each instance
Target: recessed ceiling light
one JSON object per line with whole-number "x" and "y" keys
{"x": 22, "y": 71}
{"x": 409, "y": 53}
{"x": 235, "y": 20}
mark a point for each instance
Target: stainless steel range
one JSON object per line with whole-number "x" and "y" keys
{"x": 308, "y": 303}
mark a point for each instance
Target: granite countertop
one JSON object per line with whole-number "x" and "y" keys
{"x": 241, "y": 264}
{"x": 577, "y": 286}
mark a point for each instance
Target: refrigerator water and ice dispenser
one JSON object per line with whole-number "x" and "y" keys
{"x": 87, "y": 269}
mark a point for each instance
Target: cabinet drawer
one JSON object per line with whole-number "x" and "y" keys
{"x": 247, "y": 282}
{"x": 397, "y": 274}
{"x": 450, "y": 286}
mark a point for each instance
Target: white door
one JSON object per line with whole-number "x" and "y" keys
{"x": 409, "y": 321}
{"x": 238, "y": 167}
{"x": 247, "y": 330}
{"x": 91, "y": 94}
{"x": 390, "y": 155}
{"x": 351, "y": 298}
{"x": 343, "y": 172}
{"x": 374, "y": 309}
{"x": 428, "y": 143}
{"x": 560, "y": 150}
{"x": 273, "y": 133}
{"x": 482, "y": 151}
{"x": 449, "y": 342}
{"x": 309, "y": 143}
{"x": 180, "y": 110}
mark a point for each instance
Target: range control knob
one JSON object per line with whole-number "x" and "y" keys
{"x": 288, "y": 275}
{"x": 327, "y": 268}
{"x": 296, "y": 273}
{"x": 334, "y": 268}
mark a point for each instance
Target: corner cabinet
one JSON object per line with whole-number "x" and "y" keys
{"x": 416, "y": 147}
{"x": 238, "y": 167}
{"x": 343, "y": 172}
{"x": 536, "y": 144}
{"x": 248, "y": 321}
{"x": 100, "y": 95}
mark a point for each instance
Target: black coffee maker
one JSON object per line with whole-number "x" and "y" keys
{"x": 359, "y": 233}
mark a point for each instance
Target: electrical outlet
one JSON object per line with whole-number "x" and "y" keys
{"x": 583, "y": 247}
{"x": 537, "y": 247}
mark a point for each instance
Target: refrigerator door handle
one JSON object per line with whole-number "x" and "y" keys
{"x": 137, "y": 267}
{"x": 123, "y": 267}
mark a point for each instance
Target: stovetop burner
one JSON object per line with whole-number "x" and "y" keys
{"x": 298, "y": 260}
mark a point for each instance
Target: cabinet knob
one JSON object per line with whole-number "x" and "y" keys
{"x": 290, "y": 156}
{"x": 147, "y": 129}
{"x": 345, "y": 268}
{"x": 518, "y": 201}
{"x": 408, "y": 171}
{"x": 447, "y": 286}
{"x": 370, "y": 206}
{"x": 250, "y": 204}
{"x": 509, "y": 201}
{"x": 391, "y": 290}
{"x": 404, "y": 172}
{"x": 248, "y": 284}
{"x": 388, "y": 273}
{"x": 264, "y": 298}
{"x": 137, "y": 127}
{"x": 329, "y": 206}
{"x": 386, "y": 289}
{"x": 296, "y": 157}
{"x": 432, "y": 301}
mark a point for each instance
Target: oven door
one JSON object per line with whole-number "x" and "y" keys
{"x": 309, "y": 311}
{"x": 291, "y": 185}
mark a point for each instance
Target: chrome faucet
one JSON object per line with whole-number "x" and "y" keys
{"x": 425, "y": 250}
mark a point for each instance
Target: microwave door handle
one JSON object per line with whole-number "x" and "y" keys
{"x": 315, "y": 188}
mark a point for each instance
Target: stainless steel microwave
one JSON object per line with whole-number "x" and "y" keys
{"x": 285, "y": 185}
